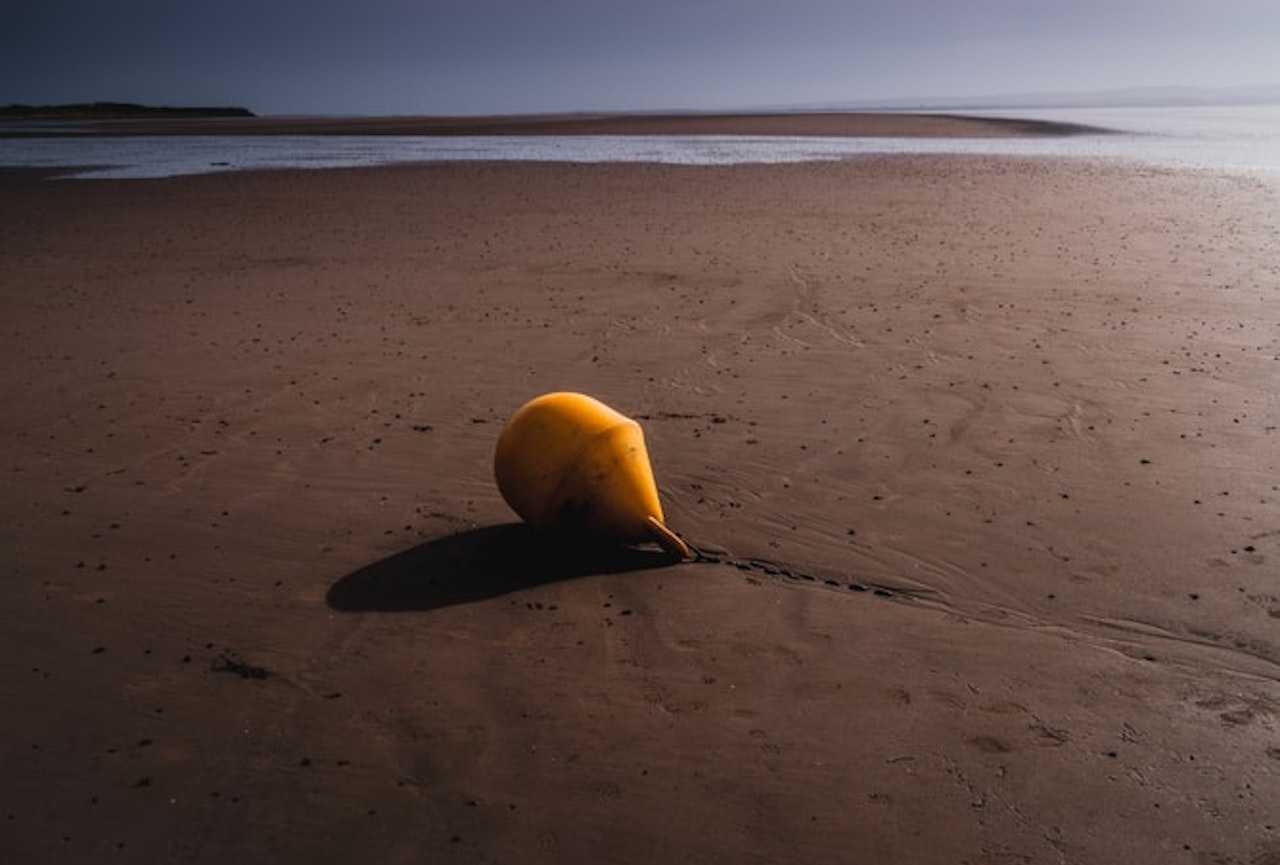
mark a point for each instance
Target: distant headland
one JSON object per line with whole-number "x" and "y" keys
{"x": 116, "y": 111}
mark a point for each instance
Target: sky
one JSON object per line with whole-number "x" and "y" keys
{"x": 511, "y": 56}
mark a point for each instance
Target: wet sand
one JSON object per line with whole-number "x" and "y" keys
{"x": 988, "y": 450}
{"x": 818, "y": 123}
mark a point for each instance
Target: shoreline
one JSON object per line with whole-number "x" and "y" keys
{"x": 1107, "y": 162}
{"x": 25, "y": 174}
{"x": 800, "y": 124}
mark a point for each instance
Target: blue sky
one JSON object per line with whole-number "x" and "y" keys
{"x": 396, "y": 56}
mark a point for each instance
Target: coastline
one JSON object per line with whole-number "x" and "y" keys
{"x": 817, "y": 124}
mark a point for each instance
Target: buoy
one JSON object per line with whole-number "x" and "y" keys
{"x": 569, "y": 462}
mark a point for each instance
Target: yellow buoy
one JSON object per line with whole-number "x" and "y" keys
{"x": 567, "y": 461}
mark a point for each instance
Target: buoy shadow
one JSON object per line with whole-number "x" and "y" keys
{"x": 479, "y": 564}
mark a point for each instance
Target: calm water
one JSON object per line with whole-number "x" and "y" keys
{"x": 1234, "y": 139}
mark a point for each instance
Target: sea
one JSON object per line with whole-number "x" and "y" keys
{"x": 1242, "y": 139}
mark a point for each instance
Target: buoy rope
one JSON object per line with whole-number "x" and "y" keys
{"x": 704, "y": 556}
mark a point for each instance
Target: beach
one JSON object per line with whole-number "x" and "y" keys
{"x": 985, "y": 453}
